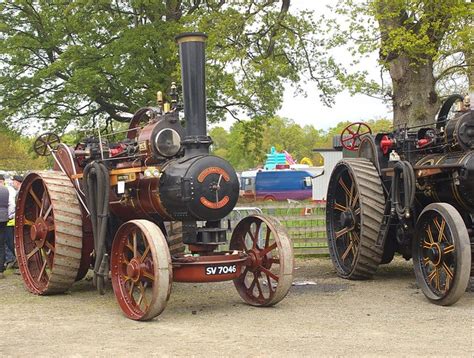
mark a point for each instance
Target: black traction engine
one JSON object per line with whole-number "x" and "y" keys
{"x": 412, "y": 192}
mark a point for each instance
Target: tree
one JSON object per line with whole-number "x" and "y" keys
{"x": 86, "y": 61}
{"x": 17, "y": 153}
{"x": 245, "y": 148}
{"x": 413, "y": 38}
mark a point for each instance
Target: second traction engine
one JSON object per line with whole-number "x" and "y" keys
{"x": 145, "y": 207}
{"x": 410, "y": 191}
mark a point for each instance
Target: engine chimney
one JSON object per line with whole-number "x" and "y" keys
{"x": 191, "y": 49}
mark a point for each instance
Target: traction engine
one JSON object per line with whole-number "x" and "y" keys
{"x": 129, "y": 207}
{"x": 412, "y": 192}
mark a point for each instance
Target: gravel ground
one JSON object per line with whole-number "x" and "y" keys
{"x": 387, "y": 316}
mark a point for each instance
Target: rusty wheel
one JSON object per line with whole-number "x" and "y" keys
{"x": 267, "y": 276}
{"x": 141, "y": 269}
{"x": 442, "y": 254}
{"x": 48, "y": 232}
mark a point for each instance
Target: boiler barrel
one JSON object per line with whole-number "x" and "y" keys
{"x": 454, "y": 186}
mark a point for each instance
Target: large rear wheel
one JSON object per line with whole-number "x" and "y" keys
{"x": 442, "y": 254}
{"x": 48, "y": 232}
{"x": 354, "y": 212}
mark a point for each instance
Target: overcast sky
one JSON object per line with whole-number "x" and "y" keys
{"x": 309, "y": 109}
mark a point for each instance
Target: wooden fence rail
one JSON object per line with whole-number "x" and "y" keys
{"x": 305, "y": 222}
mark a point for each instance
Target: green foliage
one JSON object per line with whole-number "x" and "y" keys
{"x": 85, "y": 61}
{"x": 419, "y": 31}
{"x": 16, "y": 153}
{"x": 245, "y": 149}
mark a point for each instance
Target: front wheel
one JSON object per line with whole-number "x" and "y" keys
{"x": 267, "y": 276}
{"x": 442, "y": 254}
{"x": 141, "y": 269}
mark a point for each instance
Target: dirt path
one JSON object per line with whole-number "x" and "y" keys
{"x": 385, "y": 316}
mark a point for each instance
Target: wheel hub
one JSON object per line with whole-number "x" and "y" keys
{"x": 435, "y": 254}
{"x": 347, "y": 218}
{"x": 134, "y": 270}
{"x": 255, "y": 260}
{"x": 38, "y": 232}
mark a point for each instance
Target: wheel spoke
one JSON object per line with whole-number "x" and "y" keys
{"x": 148, "y": 275}
{"x": 354, "y": 202}
{"x": 269, "y": 273}
{"x": 346, "y": 190}
{"x": 260, "y": 292}
{"x": 270, "y": 286}
{"x": 125, "y": 259}
{"x": 448, "y": 249}
{"x": 339, "y": 207}
{"x": 266, "y": 250}
{"x": 426, "y": 245}
{"x": 35, "y": 198}
{"x": 49, "y": 245}
{"x": 448, "y": 271}
{"x": 34, "y": 251}
{"x": 441, "y": 230}
{"x": 252, "y": 284}
{"x": 348, "y": 249}
{"x": 430, "y": 234}
{"x": 142, "y": 294}
{"x": 134, "y": 238}
{"x": 255, "y": 236}
{"x": 267, "y": 237}
{"x": 132, "y": 285}
{"x": 42, "y": 271}
{"x": 355, "y": 237}
{"x": 145, "y": 252}
{"x": 47, "y": 212}
{"x": 341, "y": 232}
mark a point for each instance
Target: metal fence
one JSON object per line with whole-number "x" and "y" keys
{"x": 305, "y": 222}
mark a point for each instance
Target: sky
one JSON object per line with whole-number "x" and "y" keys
{"x": 310, "y": 110}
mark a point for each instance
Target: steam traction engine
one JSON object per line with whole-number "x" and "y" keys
{"x": 128, "y": 207}
{"x": 410, "y": 191}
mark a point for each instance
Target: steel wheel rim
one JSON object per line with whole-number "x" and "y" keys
{"x": 36, "y": 235}
{"x": 345, "y": 226}
{"x": 437, "y": 259}
{"x": 267, "y": 276}
{"x": 442, "y": 278}
{"x": 141, "y": 269}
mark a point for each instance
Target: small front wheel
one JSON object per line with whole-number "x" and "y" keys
{"x": 141, "y": 269}
{"x": 442, "y": 254}
{"x": 268, "y": 274}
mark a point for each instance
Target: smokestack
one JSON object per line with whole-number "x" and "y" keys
{"x": 191, "y": 50}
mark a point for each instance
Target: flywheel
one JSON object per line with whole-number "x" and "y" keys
{"x": 48, "y": 232}
{"x": 354, "y": 212}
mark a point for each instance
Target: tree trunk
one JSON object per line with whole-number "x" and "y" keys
{"x": 415, "y": 100}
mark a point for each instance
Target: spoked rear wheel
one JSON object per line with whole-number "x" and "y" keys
{"x": 268, "y": 274}
{"x": 442, "y": 254}
{"x": 141, "y": 269}
{"x": 48, "y": 232}
{"x": 354, "y": 212}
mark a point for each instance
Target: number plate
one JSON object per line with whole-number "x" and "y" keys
{"x": 221, "y": 269}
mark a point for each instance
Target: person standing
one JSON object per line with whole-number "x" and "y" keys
{"x": 9, "y": 240}
{"x": 7, "y": 207}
